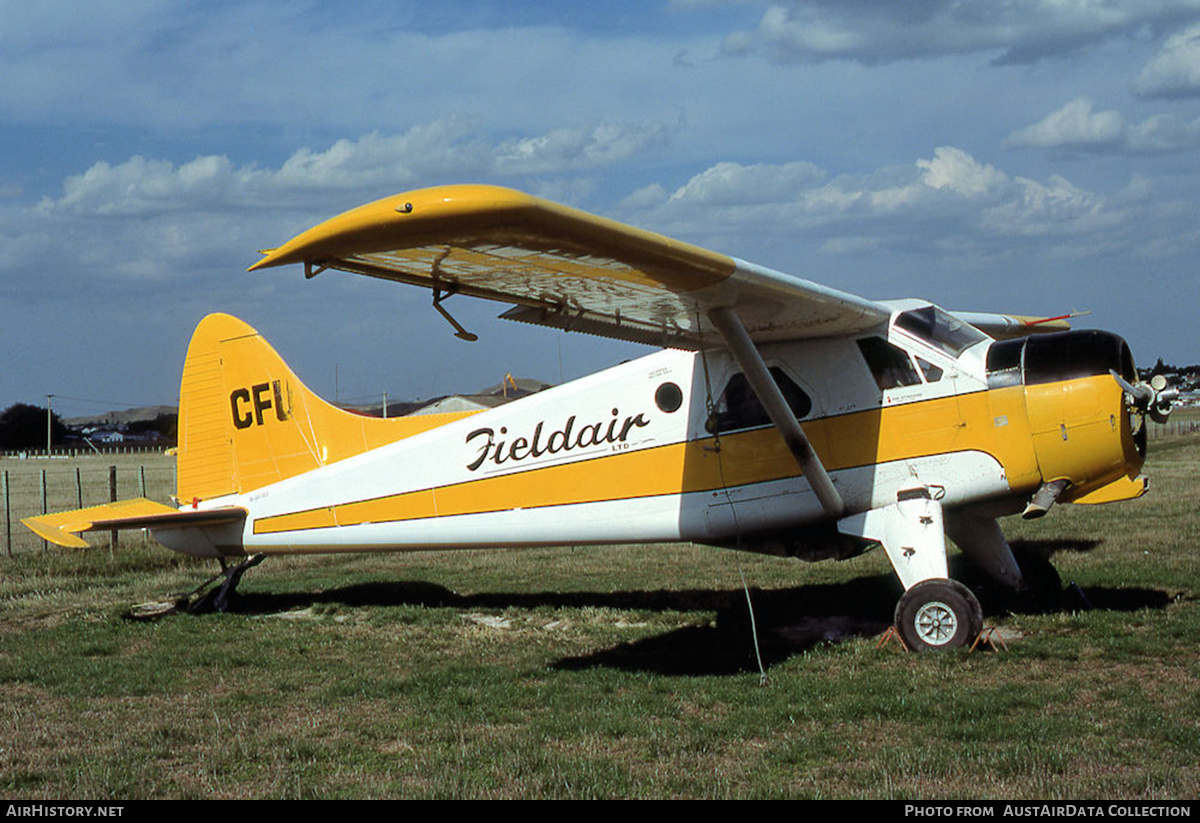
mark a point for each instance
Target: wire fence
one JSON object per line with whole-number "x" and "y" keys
{"x": 35, "y": 486}
{"x": 90, "y": 450}
{"x": 1173, "y": 428}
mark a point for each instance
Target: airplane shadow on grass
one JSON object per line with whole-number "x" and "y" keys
{"x": 788, "y": 621}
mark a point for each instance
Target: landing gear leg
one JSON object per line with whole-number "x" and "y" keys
{"x": 934, "y": 612}
{"x": 218, "y": 599}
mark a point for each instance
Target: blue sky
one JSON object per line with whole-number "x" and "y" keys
{"x": 1032, "y": 156}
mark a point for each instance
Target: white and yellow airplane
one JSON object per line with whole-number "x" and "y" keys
{"x": 781, "y": 416}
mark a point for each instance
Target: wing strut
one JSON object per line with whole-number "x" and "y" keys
{"x": 738, "y": 341}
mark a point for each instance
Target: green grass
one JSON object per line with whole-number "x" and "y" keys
{"x": 623, "y": 671}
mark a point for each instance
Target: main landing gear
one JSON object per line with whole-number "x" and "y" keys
{"x": 934, "y": 612}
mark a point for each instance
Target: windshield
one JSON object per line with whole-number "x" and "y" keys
{"x": 941, "y": 329}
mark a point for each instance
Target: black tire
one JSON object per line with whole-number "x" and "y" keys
{"x": 938, "y": 614}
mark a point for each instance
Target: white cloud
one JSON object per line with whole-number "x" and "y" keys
{"x": 1175, "y": 70}
{"x": 450, "y": 145}
{"x": 446, "y": 148}
{"x": 1055, "y": 209}
{"x": 949, "y": 198}
{"x": 578, "y": 147}
{"x": 733, "y": 183}
{"x": 646, "y": 197}
{"x": 954, "y": 170}
{"x": 1020, "y": 30}
{"x": 1074, "y": 125}
{"x": 1163, "y": 133}
{"x": 141, "y": 186}
{"x": 1077, "y": 127}
{"x": 151, "y": 223}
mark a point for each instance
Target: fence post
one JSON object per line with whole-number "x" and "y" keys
{"x": 78, "y": 489}
{"x": 7, "y": 518}
{"x": 112, "y": 498}
{"x": 45, "y": 508}
{"x": 142, "y": 493}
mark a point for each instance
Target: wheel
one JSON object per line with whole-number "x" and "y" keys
{"x": 938, "y": 614}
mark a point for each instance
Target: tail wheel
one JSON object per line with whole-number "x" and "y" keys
{"x": 938, "y": 614}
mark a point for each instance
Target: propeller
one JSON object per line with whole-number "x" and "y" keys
{"x": 1153, "y": 397}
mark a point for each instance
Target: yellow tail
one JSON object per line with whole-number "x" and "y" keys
{"x": 246, "y": 420}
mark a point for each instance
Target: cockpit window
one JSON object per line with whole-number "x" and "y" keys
{"x": 940, "y": 328}
{"x": 890, "y": 365}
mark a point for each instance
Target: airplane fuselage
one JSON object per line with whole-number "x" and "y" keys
{"x": 672, "y": 447}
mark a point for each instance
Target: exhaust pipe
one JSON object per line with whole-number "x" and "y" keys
{"x": 1044, "y": 498}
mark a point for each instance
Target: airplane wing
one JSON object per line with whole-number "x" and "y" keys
{"x": 568, "y": 269}
{"x": 1008, "y": 326}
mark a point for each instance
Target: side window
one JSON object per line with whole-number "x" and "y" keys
{"x": 890, "y": 364}
{"x": 739, "y": 408}
{"x": 932, "y": 373}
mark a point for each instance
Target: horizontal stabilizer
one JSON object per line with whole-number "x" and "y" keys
{"x": 140, "y": 513}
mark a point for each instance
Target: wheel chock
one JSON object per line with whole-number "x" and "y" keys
{"x": 990, "y": 636}
{"x": 890, "y": 635}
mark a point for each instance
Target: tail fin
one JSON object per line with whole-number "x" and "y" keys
{"x": 246, "y": 420}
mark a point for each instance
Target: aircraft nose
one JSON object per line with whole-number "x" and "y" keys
{"x": 1086, "y": 409}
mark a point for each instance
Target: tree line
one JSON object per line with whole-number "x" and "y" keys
{"x": 23, "y": 426}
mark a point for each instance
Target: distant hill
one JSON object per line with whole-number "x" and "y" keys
{"x": 489, "y": 396}
{"x": 134, "y": 415}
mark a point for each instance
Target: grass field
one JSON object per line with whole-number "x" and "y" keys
{"x": 606, "y": 672}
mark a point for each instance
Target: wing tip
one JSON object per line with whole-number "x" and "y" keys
{"x": 267, "y": 254}
{"x": 56, "y": 534}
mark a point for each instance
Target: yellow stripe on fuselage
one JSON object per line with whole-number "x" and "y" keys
{"x": 912, "y": 430}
